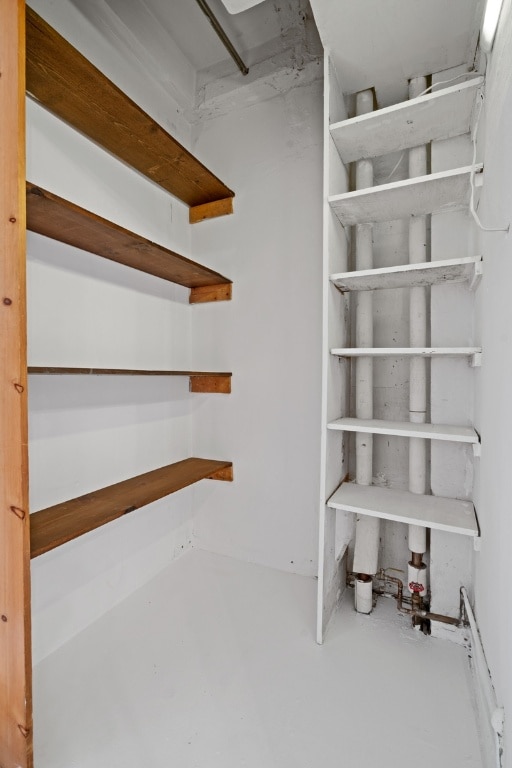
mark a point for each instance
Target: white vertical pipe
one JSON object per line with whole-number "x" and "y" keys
{"x": 367, "y": 528}
{"x": 418, "y": 338}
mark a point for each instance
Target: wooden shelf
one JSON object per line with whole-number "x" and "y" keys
{"x": 452, "y": 515}
{"x": 51, "y": 527}
{"x": 439, "y": 115}
{"x": 434, "y": 193}
{"x": 67, "y": 84}
{"x": 61, "y": 220}
{"x": 200, "y": 381}
{"x": 407, "y": 429}
{"x": 473, "y": 352}
{"x": 412, "y": 275}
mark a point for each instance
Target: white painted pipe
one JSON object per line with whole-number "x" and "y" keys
{"x": 417, "y": 338}
{"x": 417, "y": 579}
{"x": 367, "y": 528}
{"x": 364, "y": 596}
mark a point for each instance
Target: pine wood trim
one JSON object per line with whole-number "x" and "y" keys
{"x": 206, "y": 293}
{"x": 55, "y": 217}
{"x": 67, "y": 84}
{"x": 15, "y": 635}
{"x": 210, "y": 210}
{"x": 61, "y": 523}
{"x": 205, "y": 383}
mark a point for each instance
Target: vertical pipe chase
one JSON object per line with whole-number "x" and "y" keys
{"x": 367, "y": 528}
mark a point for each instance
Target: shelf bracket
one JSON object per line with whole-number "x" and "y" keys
{"x": 477, "y": 275}
{"x": 477, "y": 449}
{"x": 204, "y": 293}
{"x": 476, "y": 360}
{"x": 205, "y": 211}
{"x": 218, "y": 384}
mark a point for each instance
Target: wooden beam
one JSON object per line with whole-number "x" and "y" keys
{"x": 225, "y": 474}
{"x": 67, "y": 84}
{"x": 15, "y": 636}
{"x": 210, "y": 210}
{"x": 49, "y": 528}
{"x": 201, "y": 295}
{"x": 55, "y": 217}
{"x": 219, "y": 384}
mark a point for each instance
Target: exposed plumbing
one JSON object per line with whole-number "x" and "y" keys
{"x": 367, "y": 528}
{"x": 223, "y": 36}
{"x": 416, "y": 612}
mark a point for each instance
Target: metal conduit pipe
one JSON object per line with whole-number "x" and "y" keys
{"x": 223, "y": 37}
{"x": 417, "y": 571}
{"x": 367, "y": 528}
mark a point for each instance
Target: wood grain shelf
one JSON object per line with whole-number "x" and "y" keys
{"x": 435, "y": 193}
{"x": 443, "y": 514}
{"x": 51, "y": 527}
{"x": 467, "y": 269}
{"x": 200, "y": 381}
{"x": 67, "y": 84}
{"x": 439, "y": 115}
{"x": 55, "y": 217}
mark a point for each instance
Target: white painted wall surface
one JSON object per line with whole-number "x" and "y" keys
{"x": 269, "y": 335}
{"x": 84, "y": 311}
{"x": 494, "y": 419}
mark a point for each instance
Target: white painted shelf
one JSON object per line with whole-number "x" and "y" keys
{"x": 412, "y": 275}
{"x": 407, "y": 429}
{"x": 434, "y": 193}
{"x": 473, "y": 352}
{"x": 439, "y": 115}
{"x": 452, "y": 515}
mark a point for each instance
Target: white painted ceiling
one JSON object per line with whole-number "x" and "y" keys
{"x": 383, "y": 43}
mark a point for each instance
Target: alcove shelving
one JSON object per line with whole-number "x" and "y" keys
{"x": 199, "y": 381}
{"x": 59, "y": 219}
{"x": 67, "y": 84}
{"x": 56, "y": 525}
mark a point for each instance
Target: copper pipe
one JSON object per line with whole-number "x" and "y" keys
{"x": 417, "y": 559}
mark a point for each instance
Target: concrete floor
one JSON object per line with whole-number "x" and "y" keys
{"x": 214, "y": 665}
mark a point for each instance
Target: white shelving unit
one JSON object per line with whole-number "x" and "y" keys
{"x": 434, "y": 193}
{"x": 473, "y": 352}
{"x": 468, "y": 269}
{"x": 440, "y": 115}
{"x": 443, "y": 114}
{"x": 407, "y": 429}
{"x": 452, "y": 515}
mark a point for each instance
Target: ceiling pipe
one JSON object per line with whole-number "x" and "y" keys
{"x": 223, "y": 37}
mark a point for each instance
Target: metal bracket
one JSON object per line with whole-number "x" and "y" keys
{"x": 477, "y": 543}
{"x": 477, "y": 449}
{"x": 476, "y": 360}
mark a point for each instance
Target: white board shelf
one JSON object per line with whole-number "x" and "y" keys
{"x": 407, "y": 429}
{"x": 434, "y": 193}
{"x": 452, "y": 515}
{"x": 439, "y": 115}
{"x": 473, "y": 352}
{"x": 412, "y": 275}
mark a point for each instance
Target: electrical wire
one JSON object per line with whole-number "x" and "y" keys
{"x": 472, "y": 177}
{"x": 451, "y": 80}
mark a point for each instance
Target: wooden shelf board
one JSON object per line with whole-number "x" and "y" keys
{"x": 434, "y": 193}
{"x": 67, "y": 84}
{"x": 52, "y": 216}
{"x": 410, "y": 275}
{"x": 439, "y": 115}
{"x": 452, "y": 515}
{"x": 200, "y": 381}
{"x": 407, "y": 429}
{"x": 406, "y": 351}
{"x": 51, "y": 527}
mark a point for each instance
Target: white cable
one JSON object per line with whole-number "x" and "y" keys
{"x": 451, "y": 80}
{"x": 394, "y": 168}
{"x": 472, "y": 177}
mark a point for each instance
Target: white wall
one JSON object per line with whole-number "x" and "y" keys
{"x": 269, "y": 335}
{"x": 494, "y": 421}
{"x": 84, "y": 311}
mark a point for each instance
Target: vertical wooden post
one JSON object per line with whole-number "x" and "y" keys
{"x": 15, "y": 645}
